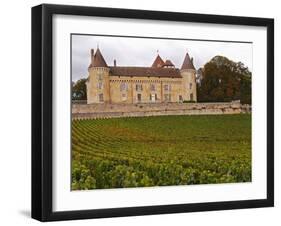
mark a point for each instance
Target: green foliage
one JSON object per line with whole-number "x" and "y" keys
{"x": 79, "y": 90}
{"x": 161, "y": 151}
{"x": 225, "y": 80}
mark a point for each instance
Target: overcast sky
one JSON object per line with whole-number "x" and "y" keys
{"x": 142, "y": 51}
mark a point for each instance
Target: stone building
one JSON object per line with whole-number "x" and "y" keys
{"x": 161, "y": 82}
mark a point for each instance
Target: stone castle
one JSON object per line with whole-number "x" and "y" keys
{"x": 162, "y": 82}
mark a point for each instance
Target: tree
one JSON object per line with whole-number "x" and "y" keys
{"x": 225, "y": 80}
{"x": 79, "y": 91}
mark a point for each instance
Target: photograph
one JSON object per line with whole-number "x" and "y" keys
{"x": 157, "y": 111}
{"x": 146, "y": 112}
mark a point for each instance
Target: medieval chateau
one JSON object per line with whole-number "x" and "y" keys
{"x": 162, "y": 82}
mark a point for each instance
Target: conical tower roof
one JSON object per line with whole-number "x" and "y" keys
{"x": 158, "y": 62}
{"x": 98, "y": 60}
{"x": 187, "y": 63}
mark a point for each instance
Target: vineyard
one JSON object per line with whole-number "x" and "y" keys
{"x": 161, "y": 151}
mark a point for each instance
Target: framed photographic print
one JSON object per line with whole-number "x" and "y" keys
{"x": 146, "y": 112}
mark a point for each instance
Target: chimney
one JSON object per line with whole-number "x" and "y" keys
{"x": 114, "y": 63}
{"x": 92, "y": 54}
{"x": 191, "y": 60}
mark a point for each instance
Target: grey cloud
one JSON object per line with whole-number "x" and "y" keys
{"x": 142, "y": 51}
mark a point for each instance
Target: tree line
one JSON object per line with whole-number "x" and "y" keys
{"x": 79, "y": 90}
{"x": 224, "y": 80}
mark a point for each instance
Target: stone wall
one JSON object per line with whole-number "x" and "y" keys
{"x": 131, "y": 93}
{"x": 89, "y": 111}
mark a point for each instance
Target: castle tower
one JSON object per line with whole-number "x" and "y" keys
{"x": 98, "y": 79}
{"x": 188, "y": 73}
{"x": 158, "y": 62}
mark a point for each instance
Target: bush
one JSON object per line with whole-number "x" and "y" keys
{"x": 189, "y": 101}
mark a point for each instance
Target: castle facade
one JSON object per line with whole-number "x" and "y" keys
{"x": 161, "y": 82}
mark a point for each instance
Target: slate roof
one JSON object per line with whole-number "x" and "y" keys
{"x": 187, "y": 63}
{"x": 98, "y": 60}
{"x": 158, "y": 62}
{"x": 168, "y": 63}
{"x": 156, "y": 70}
{"x": 145, "y": 71}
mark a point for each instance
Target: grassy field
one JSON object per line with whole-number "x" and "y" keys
{"x": 159, "y": 151}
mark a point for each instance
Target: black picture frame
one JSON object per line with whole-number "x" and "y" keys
{"x": 42, "y": 111}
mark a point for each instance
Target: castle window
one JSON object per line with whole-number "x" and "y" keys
{"x": 152, "y": 87}
{"x": 100, "y": 76}
{"x": 191, "y": 96}
{"x": 190, "y": 85}
{"x": 100, "y": 85}
{"x": 152, "y": 97}
{"x": 101, "y": 97}
{"x": 167, "y": 87}
{"x": 180, "y": 98}
{"x": 138, "y": 87}
{"x": 167, "y": 97}
{"x": 124, "y": 97}
{"x": 139, "y": 97}
{"x": 123, "y": 86}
